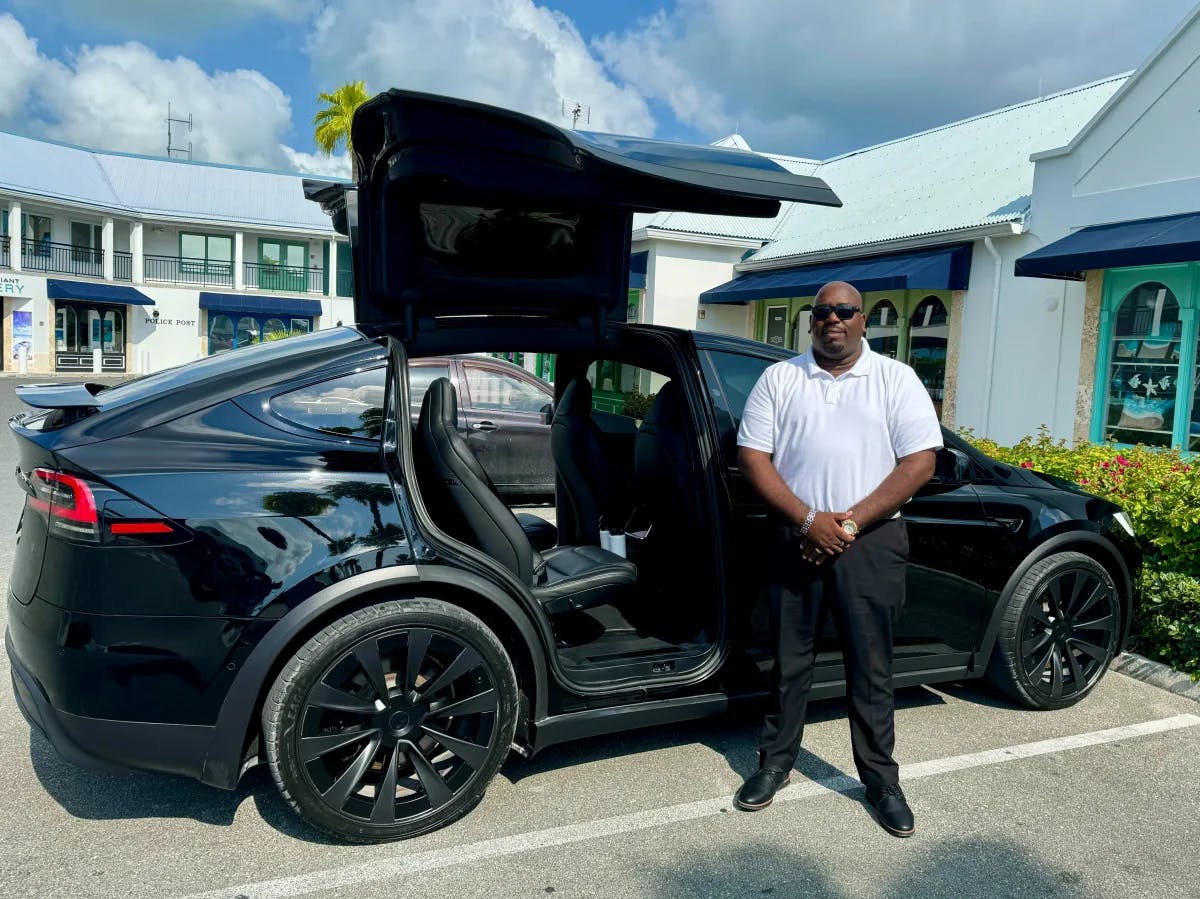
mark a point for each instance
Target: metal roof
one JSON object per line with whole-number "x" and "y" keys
{"x": 156, "y": 187}
{"x": 966, "y": 174}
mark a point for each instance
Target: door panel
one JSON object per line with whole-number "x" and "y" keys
{"x": 506, "y": 422}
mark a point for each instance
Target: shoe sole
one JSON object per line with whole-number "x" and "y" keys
{"x": 748, "y": 807}
{"x": 898, "y": 833}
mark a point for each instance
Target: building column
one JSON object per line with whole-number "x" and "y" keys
{"x": 106, "y": 249}
{"x": 239, "y": 273}
{"x": 333, "y": 269}
{"x": 953, "y": 343}
{"x": 138, "y": 263}
{"x": 14, "y": 235}
{"x": 1093, "y": 296}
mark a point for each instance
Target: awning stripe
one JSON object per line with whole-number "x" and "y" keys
{"x": 1155, "y": 241}
{"x": 94, "y": 292}
{"x": 261, "y": 305}
{"x": 940, "y": 268}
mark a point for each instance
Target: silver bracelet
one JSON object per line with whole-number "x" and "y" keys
{"x": 808, "y": 520}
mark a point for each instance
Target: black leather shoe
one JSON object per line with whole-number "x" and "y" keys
{"x": 892, "y": 810}
{"x": 760, "y": 787}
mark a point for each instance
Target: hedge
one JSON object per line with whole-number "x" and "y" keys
{"x": 1160, "y": 489}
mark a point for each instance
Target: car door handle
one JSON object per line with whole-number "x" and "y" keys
{"x": 484, "y": 426}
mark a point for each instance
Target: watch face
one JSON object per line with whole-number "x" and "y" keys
{"x": 850, "y": 527}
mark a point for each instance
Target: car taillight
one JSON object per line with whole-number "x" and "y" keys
{"x": 68, "y": 502}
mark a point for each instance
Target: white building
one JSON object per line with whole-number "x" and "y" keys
{"x": 154, "y": 262}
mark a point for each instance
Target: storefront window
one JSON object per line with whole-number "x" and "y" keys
{"x": 220, "y": 334}
{"x": 224, "y": 334}
{"x": 1144, "y": 367}
{"x": 114, "y": 332}
{"x": 883, "y": 329}
{"x": 928, "y": 336}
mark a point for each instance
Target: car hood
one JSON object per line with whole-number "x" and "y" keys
{"x": 466, "y": 210}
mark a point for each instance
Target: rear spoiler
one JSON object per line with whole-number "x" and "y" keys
{"x": 60, "y": 396}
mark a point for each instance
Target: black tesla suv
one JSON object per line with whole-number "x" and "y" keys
{"x": 207, "y": 577}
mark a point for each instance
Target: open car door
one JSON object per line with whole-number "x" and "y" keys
{"x": 464, "y": 210}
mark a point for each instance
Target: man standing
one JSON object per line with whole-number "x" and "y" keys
{"x": 836, "y": 441}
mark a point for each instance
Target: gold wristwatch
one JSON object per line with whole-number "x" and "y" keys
{"x": 850, "y": 527}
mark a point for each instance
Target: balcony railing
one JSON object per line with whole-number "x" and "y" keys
{"x": 4, "y": 251}
{"x": 62, "y": 258}
{"x": 290, "y": 279}
{"x": 122, "y": 266}
{"x": 345, "y": 283}
{"x": 177, "y": 270}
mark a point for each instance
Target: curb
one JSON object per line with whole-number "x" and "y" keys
{"x": 1157, "y": 674}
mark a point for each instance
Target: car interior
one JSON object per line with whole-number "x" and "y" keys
{"x": 627, "y": 577}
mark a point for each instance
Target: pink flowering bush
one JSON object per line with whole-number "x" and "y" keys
{"x": 1160, "y": 489}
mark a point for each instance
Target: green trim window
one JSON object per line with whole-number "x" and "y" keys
{"x": 230, "y": 330}
{"x": 1146, "y": 358}
{"x": 284, "y": 265}
{"x": 208, "y": 257}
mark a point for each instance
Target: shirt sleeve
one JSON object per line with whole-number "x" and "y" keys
{"x": 912, "y": 422}
{"x": 757, "y": 430}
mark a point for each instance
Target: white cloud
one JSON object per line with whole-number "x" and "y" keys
{"x": 22, "y": 62}
{"x": 115, "y": 97}
{"x": 510, "y": 53}
{"x": 316, "y": 163}
{"x": 831, "y": 75}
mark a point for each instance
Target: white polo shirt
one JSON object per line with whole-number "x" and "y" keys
{"x": 834, "y": 440}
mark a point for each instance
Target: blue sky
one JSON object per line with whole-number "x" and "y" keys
{"x": 810, "y": 78}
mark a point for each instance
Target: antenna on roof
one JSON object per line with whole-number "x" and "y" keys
{"x": 184, "y": 152}
{"x": 576, "y": 111}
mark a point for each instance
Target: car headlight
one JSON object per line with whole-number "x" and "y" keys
{"x": 1123, "y": 519}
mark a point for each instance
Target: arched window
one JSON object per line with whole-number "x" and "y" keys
{"x": 1143, "y": 368}
{"x": 883, "y": 329}
{"x": 928, "y": 336}
{"x": 220, "y": 334}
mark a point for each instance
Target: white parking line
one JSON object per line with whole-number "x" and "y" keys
{"x": 404, "y": 864}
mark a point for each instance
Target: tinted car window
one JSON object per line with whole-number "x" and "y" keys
{"x": 493, "y": 391}
{"x": 351, "y": 405}
{"x": 732, "y": 376}
{"x": 419, "y": 379}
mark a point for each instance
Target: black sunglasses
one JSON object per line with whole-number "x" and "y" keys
{"x": 844, "y": 311}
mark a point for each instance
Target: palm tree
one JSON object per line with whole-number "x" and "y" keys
{"x": 332, "y": 122}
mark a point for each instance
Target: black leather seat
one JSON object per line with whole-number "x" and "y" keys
{"x": 590, "y": 488}
{"x": 465, "y": 504}
{"x": 666, "y": 477}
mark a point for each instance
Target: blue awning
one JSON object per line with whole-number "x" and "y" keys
{"x": 941, "y": 268}
{"x": 637, "y": 270}
{"x": 1156, "y": 241}
{"x": 94, "y": 292}
{"x": 238, "y": 302}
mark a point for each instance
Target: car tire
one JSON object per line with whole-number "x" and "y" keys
{"x": 1059, "y": 631}
{"x": 414, "y": 697}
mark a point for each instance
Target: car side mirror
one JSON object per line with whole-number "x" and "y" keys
{"x": 548, "y": 412}
{"x": 952, "y": 467}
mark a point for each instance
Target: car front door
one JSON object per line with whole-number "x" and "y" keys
{"x": 505, "y": 419}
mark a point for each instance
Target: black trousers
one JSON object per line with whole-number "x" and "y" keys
{"x": 863, "y": 590}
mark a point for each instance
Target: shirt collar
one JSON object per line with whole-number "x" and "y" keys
{"x": 860, "y": 369}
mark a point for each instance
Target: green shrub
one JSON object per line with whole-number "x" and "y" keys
{"x": 1160, "y": 489}
{"x": 1170, "y": 620}
{"x": 637, "y": 404}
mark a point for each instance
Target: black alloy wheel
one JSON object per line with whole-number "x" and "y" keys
{"x": 1059, "y": 632}
{"x": 391, "y": 721}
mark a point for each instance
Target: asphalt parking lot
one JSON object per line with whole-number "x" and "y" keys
{"x": 1098, "y": 800}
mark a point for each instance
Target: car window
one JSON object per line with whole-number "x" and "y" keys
{"x": 495, "y": 391}
{"x": 419, "y": 379}
{"x": 351, "y": 405}
{"x": 731, "y": 377}
{"x": 737, "y": 375}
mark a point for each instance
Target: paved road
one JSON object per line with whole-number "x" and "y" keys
{"x": 1096, "y": 801}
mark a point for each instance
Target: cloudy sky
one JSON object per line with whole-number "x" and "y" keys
{"x": 807, "y": 78}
